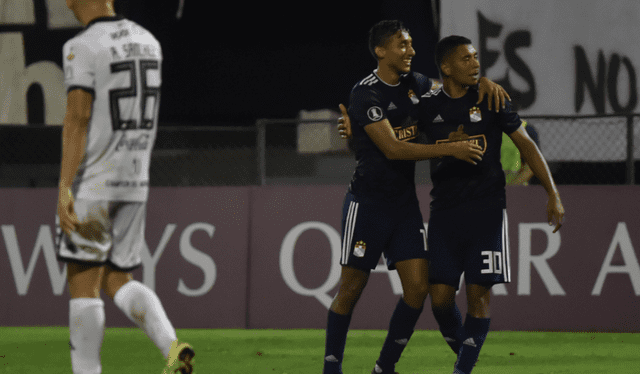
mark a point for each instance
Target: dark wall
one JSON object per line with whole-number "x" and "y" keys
{"x": 235, "y": 64}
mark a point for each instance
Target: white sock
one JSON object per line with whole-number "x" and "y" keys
{"x": 143, "y": 307}
{"x": 86, "y": 327}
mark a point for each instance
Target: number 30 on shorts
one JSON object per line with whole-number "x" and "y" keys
{"x": 492, "y": 261}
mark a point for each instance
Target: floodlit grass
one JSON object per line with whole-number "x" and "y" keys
{"x": 46, "y": 350}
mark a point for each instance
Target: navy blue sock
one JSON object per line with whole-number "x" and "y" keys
{"x": 450, "y": 324}
{"x": 403, "y": 321}
{"x": 337, "y": 329}
{"x": 477, "y": 330}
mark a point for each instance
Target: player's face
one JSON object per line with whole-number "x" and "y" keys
{"x": 398, "y": 52}
{"x": 463, "y": 65}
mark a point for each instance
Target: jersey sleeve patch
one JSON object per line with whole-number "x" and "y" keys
{"x": 375, "y": 113}
{"x": 79, "y": 65}
{"x": 365, "y": 106}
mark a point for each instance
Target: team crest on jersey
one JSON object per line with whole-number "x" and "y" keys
{"x": 475, "y": 115}
{"x": 461, "y": 136}
{"x": 359, "y": 249}
{"x": 71, "y": 55}
{"x": 374, "y": 113}
{"x": 414, "y": 98}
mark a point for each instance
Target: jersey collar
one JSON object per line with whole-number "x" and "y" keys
{"x": 375, "y": 72}
{"x": 117, "y": 17}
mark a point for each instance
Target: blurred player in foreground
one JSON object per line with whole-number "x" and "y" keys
{"x": 381, "y": 213}
{"x": 468, "y": 228}
{"x": 113, "y": 75}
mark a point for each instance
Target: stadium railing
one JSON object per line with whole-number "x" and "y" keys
{"x": 579, "y": 149}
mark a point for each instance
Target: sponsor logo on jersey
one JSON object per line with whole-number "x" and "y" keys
{"x": 374, "y": 113}
{"x": 438, "y": 119}
{"x": 475, "y": 115}
{"x": 138, "y": 143}
{"x": 414, "y": 98}
{"x": 461, "y": 136}
{"x": 392, "y": 106}
{"x": 359, "y": 249}
{"x": 406, "y": 133}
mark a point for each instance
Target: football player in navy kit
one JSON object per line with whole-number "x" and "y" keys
{"x": 381, "y": 213}
{"x": 467, "y": 230}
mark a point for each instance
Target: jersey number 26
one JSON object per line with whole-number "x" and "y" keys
{"x": 147, "y": 114}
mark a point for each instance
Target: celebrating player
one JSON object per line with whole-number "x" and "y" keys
{"x": 381, "y": 213}
{"x": 112, "y": 75}
{"x": 468, "y": 228}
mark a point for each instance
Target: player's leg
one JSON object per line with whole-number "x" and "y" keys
{"x": 445, "y": 269}
{"x": 487, "y": 264}
{"x": 86, "y": 317}
{"x": 362, "y": 243}
{"x": 141, "y": 305}
{"x": 447, "y": 314}
{"x": 352, "y": 283}
{"x": 137, "y": 301}
{"x": 407, "y": 252}
{"x": 415, "y": 286}
{"x": 476, "y": 326}
{"x": 85, "y": 258}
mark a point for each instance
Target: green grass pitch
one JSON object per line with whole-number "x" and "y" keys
{"x": 45, "y": 350}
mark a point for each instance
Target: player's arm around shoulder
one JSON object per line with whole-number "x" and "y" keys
{"x": 383, "y": 136}
{"x": 532, "y": 155}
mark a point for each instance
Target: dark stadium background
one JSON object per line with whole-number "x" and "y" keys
{"x": 234, "y": 63}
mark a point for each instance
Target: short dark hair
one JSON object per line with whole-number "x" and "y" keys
{"x": 446, "y": 46}
{"x": 381, "y": 32}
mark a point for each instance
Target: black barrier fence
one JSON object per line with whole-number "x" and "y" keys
{"x": 584, "y": 150}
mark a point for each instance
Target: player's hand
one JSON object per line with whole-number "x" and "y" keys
{"x": 344, "y": 123}
{"x": 66, "y": 213}
{"x": 555, "y": 212}
{"x": 91, "y": 229}
{"x": 496, "y": 93}
{"x": 466, "y": 151}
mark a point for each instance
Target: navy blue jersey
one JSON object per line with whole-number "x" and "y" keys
{"x": 376, "y": 177}
{"x": 456, "y": 182}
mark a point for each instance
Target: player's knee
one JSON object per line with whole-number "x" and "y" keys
{"x": 441, "y": 302}
{"x": 417, "y": 290}
{"x": 350, "y": 292}
{"x": 479, "y": 308}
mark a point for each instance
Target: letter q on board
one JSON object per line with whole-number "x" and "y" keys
{"x": 374, "y": 113}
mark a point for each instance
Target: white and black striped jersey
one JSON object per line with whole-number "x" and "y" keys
{"x": 119, "y": 62}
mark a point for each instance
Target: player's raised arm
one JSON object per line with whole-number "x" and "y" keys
{"x": 533, "y": 157}
{"x": 74, "y": 138}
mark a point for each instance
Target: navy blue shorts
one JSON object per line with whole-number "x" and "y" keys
{"x": 476, "y": 243}
{"x": 370, "y": 229}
